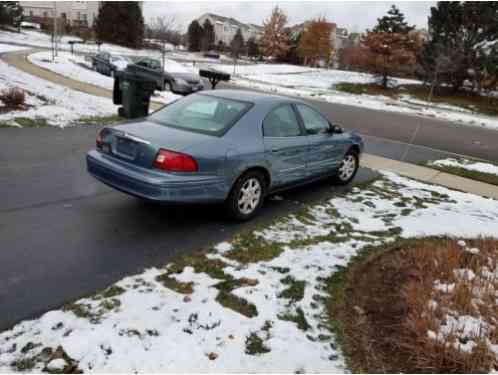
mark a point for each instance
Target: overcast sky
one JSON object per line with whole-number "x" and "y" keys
{"x": 354, "y": 15}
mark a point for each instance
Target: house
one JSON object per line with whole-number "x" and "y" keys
{"x": 226, "y": 27}
{"x": 73, "y": 13}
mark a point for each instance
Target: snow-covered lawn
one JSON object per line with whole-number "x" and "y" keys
{"x": 9, "y": 48}
{"x": 302, "y": 77}
{"x": 253, "y": 304}
{"x": 320, "y": 84}
{"x": 469, "y": 165}
{"x": 55, "y": 104}
{"x": 476, "y": 170}
{"x": 40, "y": 39}
{"x": 80, "y": 69}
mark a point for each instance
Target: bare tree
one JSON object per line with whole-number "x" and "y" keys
{"x": 162, "y": 28}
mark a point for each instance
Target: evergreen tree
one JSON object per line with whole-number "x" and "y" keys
{"x": 120, "y": 22}
{"x": 462, "y": 31}
{"x": 293, "y": 56}
{"x": 208, "y": 36}
{"x": 10, "y": 13}
{"x": 194, "y": 36}
{"x": 393, "y": 22}
{"x": 252, "y": 47}
{"x": 237, "y": 44}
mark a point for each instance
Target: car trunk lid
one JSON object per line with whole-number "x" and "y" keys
{"x": 139, "y": 142}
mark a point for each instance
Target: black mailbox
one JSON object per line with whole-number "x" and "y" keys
{"x": 214, "y": 76}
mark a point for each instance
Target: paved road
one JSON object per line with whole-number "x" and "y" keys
{"x": 63, "y": 234}
{"x": 441, "y": 135}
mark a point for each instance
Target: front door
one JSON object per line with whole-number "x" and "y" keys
{"x": 325, "y": 151}
{"x": 285, "y": 145}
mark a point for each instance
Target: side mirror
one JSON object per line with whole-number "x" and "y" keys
{"x": 336, "y": 129}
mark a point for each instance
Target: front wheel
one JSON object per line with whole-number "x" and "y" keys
{"x": 348, "y": 168}
{"x": 167, "y": 86}
{"x": 246, "y": 197}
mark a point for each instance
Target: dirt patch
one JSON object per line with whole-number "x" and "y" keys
{"x": 385, "y": 306}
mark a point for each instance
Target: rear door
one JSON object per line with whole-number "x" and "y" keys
{"x": 325, "y": 151}
{"x": 285, "y": 145}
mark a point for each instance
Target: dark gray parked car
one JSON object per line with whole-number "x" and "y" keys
{"x": 182, "y": 83}
{"x": 108, "y": 64}
{"x": 228, "y": 146}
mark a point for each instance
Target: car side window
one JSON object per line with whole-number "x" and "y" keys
{"x": 281, "y": 122}
{"x": 314, "y": 122}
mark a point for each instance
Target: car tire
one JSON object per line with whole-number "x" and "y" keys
{"x": 246, "y": 197}
{"x": 348, "y": 168}
{"x": 167, "y": 86}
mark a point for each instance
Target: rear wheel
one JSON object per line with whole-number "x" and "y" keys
{"x": 348, "y": 168}
{"x": 167, "y": 86}
{"x": 246, "y": 197}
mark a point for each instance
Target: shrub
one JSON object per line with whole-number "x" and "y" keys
{"x": 13, "y": 97}
{"x": 419, "y": 306}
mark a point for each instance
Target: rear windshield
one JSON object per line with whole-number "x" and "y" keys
{"x": 202, "y": 113}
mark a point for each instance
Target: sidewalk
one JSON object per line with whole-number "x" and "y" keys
{"x": 430, "y": 175}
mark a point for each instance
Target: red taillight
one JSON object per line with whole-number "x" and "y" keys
{"x": 175, "y": 162}
{"x": 99, "y": 141}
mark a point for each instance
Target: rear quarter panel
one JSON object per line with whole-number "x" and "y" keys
{"x": 244, "y": 144}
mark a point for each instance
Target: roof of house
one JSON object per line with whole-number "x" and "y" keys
{"x": 232, "y": 21}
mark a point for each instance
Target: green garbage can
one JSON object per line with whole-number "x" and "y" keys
{"x": 133, "y": 92}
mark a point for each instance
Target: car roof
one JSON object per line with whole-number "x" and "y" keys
{"x": 251, "y": 96}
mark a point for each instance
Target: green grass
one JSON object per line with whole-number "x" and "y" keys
{"x": 248, "y": 248}
{"x": 27, "y": 122}
{"x": 294, "y": 291}
{"x": 174, "y": 284}
{"x": 99, "y": 120}
{"x": 237, "y": 304}
{"x": 255, "y": 345}
{"x": 487, "y": 178}
{"x": 296, "y": 317}
{"x": 463, "y": 99}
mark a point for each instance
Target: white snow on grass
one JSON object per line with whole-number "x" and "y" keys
{"x": 9, "y": 48}
{"x": 469, "y": 165}
{"x": 78, "y": 68}
{"x": 35, "y": 38}
{"x": 302, "y": 77}
{"x": 320, "y": 84}
{"x": 57, "y": 105}
{"x": 141, "y": 325}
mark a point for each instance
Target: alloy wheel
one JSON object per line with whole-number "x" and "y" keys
{"x": 347, "y": 168}
{"x": 249, "y": 196}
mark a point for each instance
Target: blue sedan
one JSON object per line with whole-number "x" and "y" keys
{"x": 226, "y": 146}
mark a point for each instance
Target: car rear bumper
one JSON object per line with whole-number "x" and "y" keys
{"x": 155, "y": 185}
